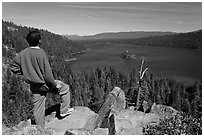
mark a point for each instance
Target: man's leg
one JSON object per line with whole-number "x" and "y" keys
{"x": 39, "y": 109}
{"x": 64, "y": 92}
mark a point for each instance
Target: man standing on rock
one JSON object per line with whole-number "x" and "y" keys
{"x": 33, "y": 64}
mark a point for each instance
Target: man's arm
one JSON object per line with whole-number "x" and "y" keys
{"x": 15, "y": 65}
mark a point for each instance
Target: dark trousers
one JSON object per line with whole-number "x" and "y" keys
{"x": 39, "y": 103}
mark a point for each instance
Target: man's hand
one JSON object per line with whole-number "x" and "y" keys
{"x": 62, "y": 87}
{"x": 59, "y": 84}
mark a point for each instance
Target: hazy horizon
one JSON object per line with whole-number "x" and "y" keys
{"x": 89, "y": 18}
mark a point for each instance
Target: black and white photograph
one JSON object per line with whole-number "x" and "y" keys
{"x": 101, "y": 68}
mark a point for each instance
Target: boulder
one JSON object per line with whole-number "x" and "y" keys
{"x": 130, "y": 122}
{"x": 120, "y": 102}
{"x": 25, "y": 128}
{"x": 163, "y": 111}
{"x": 114, "y": 102}
{"x": 77, "y": 132}
{"x": 50, "y": 117}
{"x": 80, "y": 118}
{"x": 98, "y": 131}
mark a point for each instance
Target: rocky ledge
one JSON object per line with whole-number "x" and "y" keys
{"x": 113, "y": 119}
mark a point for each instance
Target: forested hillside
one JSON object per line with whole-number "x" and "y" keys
{"x": 57, "y": 47}
{"x": 13, "y": 39}
{"x": 191, "y": 40}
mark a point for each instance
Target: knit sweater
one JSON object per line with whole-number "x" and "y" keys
{"x": 33, "y": 64}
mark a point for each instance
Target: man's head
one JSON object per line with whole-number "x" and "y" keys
{"x": 33, "y": 38}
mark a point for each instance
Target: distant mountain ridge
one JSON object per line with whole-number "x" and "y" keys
{"x": 120, "y": 35}
{"x": 190, "y": 40}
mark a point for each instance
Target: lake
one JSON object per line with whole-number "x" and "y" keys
{"x": 181, "y": 64}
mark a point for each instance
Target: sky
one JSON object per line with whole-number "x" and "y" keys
{"x": 89, "y": 18}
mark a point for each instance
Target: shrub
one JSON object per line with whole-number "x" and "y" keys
{"x": 181, "y": 124}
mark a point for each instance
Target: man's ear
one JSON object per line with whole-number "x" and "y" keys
{"x": 40, "y": 41}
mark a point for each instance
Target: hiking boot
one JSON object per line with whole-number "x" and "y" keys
{"x": 69, "y": 111}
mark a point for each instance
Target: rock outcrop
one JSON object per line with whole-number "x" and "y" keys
{"x": 81, "y": 119}
{"x": 130, "y": 122}
{"x": 98, "y": 131}
{"x": 163, "y": 111}
{"x": 25, "y": 128}
{"x": 113, "y": 118}
{"x": 114, "y": 103}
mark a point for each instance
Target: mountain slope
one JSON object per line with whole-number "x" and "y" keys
{"x": 119, "y": 35}
{"x": 13, "y": 38}
{"x": 191, "y": 40}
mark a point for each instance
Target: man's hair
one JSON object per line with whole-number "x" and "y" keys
{"x": 33, "y": 37}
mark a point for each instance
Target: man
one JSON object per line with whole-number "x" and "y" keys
{"x": 33, "y": 64}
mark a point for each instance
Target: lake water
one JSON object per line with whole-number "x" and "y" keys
{"x": 182, "y": 64}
